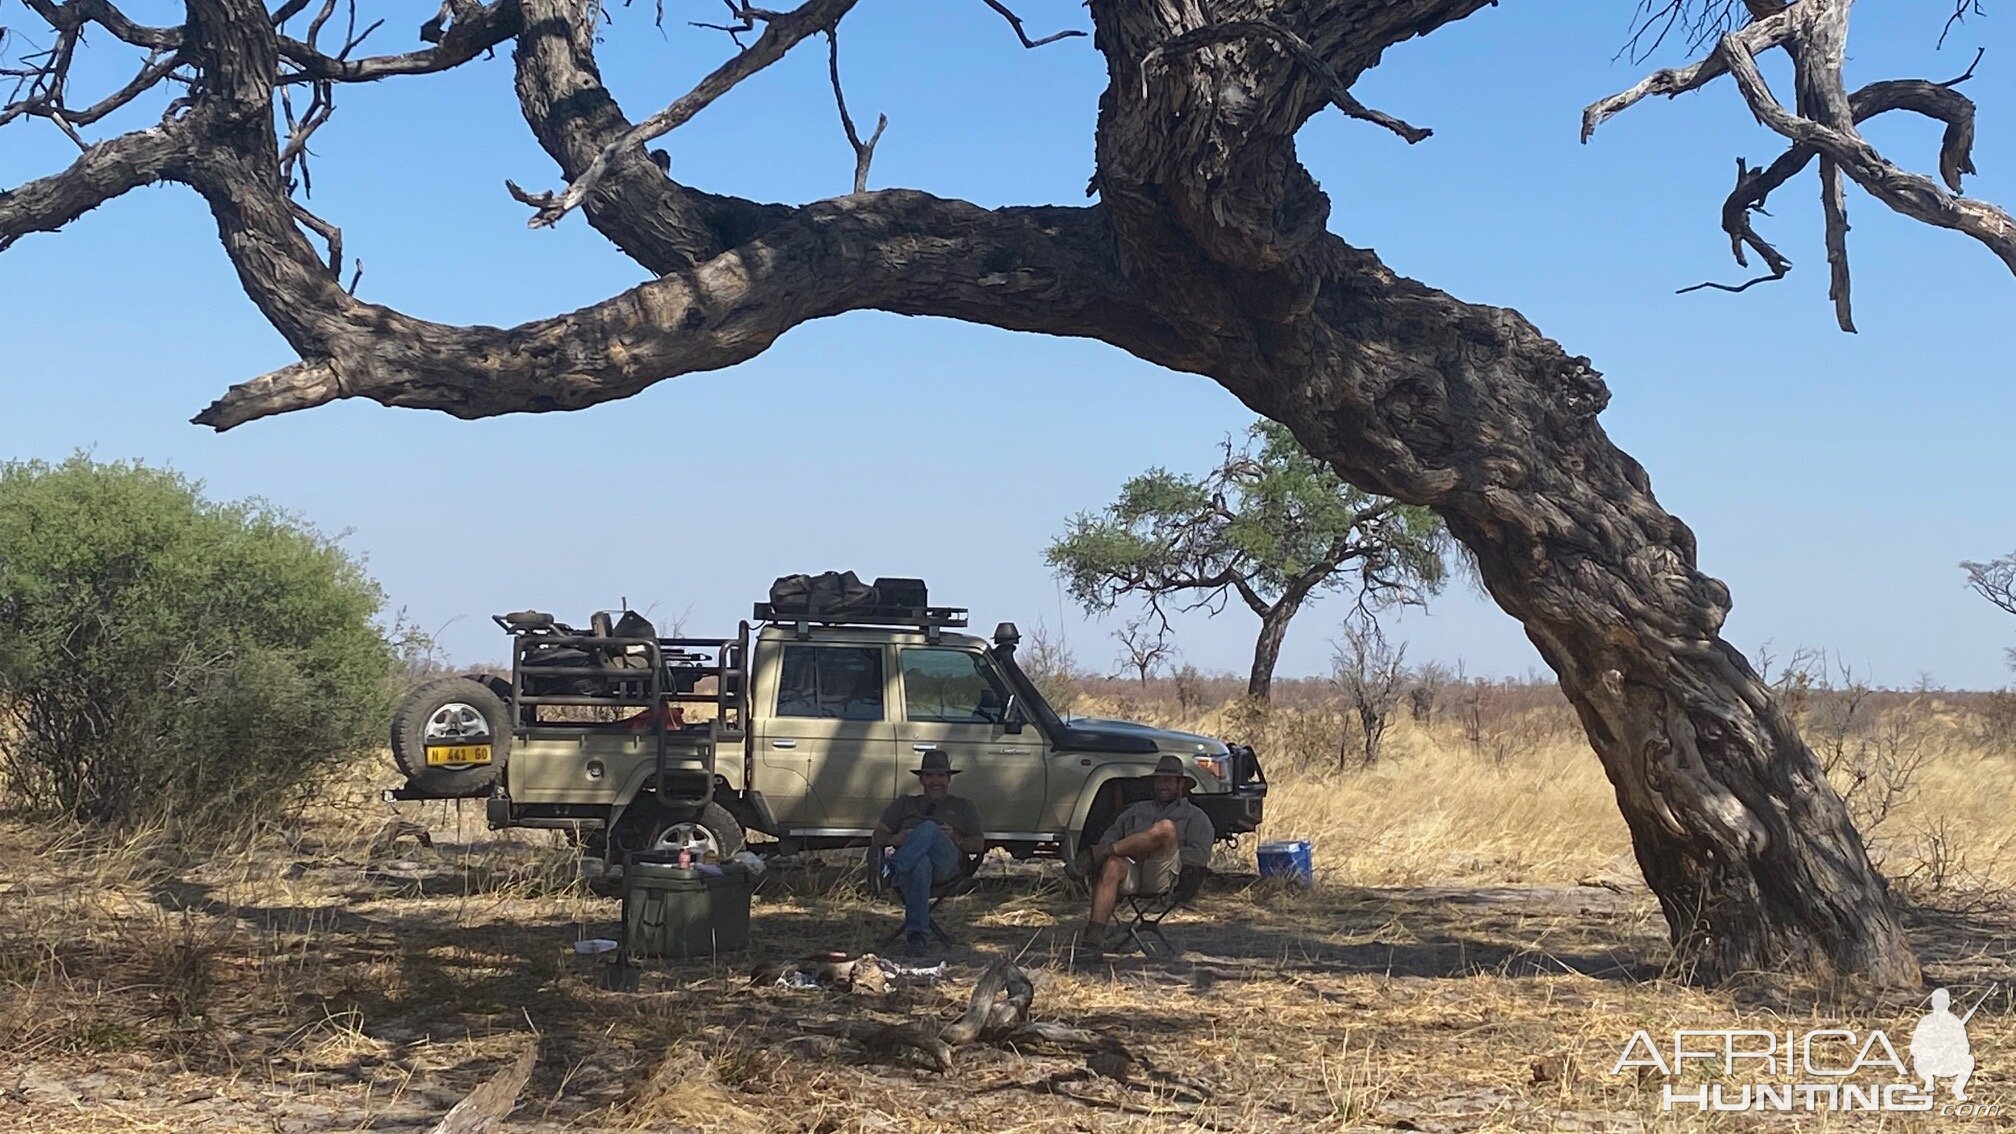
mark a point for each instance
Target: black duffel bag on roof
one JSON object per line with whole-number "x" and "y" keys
{"x": 816, "y": 596}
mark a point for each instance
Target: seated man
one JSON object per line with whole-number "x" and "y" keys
{"x": 1146, "y": 847}
{"x": 931, "y": 832}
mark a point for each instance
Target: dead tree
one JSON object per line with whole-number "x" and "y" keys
{"x": 1144, "y": 647}
{"x": 1207, "y": 250}
{"x": 1370, "y": 672}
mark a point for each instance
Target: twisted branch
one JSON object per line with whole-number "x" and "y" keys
{"x": 1814, "y": 33}
{"x": 781, "y": 32}
{"x": 1015, "y": 21}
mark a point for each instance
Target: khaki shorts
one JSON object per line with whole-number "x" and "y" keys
{"x": 1154, "y": 876}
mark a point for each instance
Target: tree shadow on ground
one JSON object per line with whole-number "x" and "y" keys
{"x": 474, "y": 973}
{"x": 1242, "y": 928}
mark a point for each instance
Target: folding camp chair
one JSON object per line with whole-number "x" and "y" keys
{"x": 960, "y": 883}
{"x": 1146, "y": 912}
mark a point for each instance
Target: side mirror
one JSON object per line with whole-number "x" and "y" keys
{"x": 1011, "y": 714}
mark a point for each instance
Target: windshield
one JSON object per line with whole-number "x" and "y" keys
{"x": 1033, "y": 705}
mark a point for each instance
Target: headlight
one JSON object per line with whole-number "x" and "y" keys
{"x": 1219, "y": 767}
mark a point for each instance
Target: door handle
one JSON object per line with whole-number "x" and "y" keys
{"x": 923, "y": 747}
{"x": 783, "y": 744}
{"x": 1013, "y": 751}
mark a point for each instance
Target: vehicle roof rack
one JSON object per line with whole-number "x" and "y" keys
{"x": 929, "y": 619}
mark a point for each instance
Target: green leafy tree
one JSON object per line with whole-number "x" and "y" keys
{"x": 1271, "y": 524}
{"x": 167, "y": 658}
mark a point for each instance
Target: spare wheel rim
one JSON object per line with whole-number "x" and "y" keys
{"x": 456, "y": 722}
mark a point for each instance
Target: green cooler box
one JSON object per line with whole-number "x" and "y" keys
{"x": 675, "y": 911}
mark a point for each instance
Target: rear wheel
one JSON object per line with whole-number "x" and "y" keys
{"x": 713, "y": 831}
{"x": 451, "y": 736}
{"x": 646, "y": 826}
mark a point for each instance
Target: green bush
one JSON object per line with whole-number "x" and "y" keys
{"x": 167, "y": 658}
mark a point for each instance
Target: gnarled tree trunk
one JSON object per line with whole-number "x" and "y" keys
{"x": 1748, "y": 848}
{"x": 1470, "y": 410}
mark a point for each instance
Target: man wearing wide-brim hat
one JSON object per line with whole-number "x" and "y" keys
{"x": 1146, "y": 847}
{"x": 930, "y": 831}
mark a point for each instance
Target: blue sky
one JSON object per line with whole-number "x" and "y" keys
{"x": 1834, "y": 481}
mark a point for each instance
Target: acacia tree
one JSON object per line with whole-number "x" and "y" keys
{"x": 1995, "y": 580}
{"x": 1271, "y": 524}
{"x": 1206, "y": 250}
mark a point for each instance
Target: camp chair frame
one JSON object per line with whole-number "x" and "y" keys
{"x": 1146, "y": 911}
{"x": 960, "y": 883}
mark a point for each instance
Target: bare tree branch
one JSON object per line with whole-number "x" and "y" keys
{"x": 781, "y": 32}
{"x": 1015, "y": 21}
{"x": 864, "y": 152}
{"x": 1961, "y": 10}
{"x": 1673, "y": 81}
{"x": 1754, "y": 186}
{"x": 105, "y": 171}
{"x": 1701, "y": 21}
{"x": 331, "y": 236}
{"x": 477, "y": 28}
{"x": 1815, "y": 33}
{"x": 74, "y": 14}
{"x": 1911, "y": 194}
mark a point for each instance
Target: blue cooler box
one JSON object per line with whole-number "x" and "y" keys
{"x": 1290, "y": 860}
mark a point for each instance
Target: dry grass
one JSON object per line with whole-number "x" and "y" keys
{"x": 1474, "y": 956}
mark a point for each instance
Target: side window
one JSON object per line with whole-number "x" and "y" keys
{"x": 950, "y": 687}
{"x": 831, "y": 682}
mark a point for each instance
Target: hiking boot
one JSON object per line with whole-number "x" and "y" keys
{"x": 916, "y": 945}
{"x": 1090, "y": 945}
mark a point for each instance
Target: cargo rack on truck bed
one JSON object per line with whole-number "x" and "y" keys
{"x": 555, "y": 666}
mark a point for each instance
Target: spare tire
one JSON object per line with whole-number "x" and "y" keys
{"x": 467, "y": 727}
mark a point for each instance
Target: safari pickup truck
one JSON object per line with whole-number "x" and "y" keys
{"x": 803, "y": 725}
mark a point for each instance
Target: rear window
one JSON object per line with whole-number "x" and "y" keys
{"x": 831, "y": 682}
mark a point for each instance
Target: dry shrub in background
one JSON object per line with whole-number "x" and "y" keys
{"x": 1370, "y": 672}
{"x": 165, "y": 658}
{"x": 1048, "y": 661}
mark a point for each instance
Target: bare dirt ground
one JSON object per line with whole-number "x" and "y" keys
{"x": 317, "y": 982}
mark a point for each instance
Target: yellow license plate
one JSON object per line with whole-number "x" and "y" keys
{"x": 459, "y": 754}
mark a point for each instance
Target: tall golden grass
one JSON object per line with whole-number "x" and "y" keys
{"x": 1500, "y": 785}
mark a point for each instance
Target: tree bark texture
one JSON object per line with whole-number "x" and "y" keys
{"x": 1267, "y": 652}
{"x": 1209, "y": 250}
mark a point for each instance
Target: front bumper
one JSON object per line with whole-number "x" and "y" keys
{"x": 1236, "y": 813}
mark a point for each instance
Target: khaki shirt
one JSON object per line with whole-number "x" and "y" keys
{"x": 1194, "y": 835}
{"x": 908, "y": 811}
